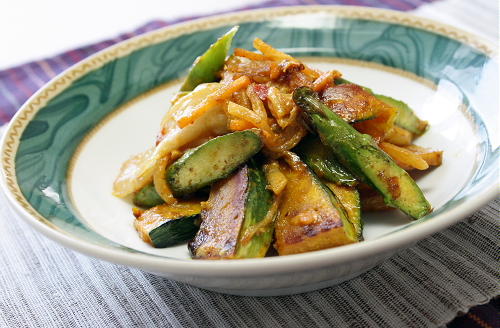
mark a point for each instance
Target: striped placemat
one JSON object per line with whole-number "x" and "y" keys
{"x": 45, "y": 285}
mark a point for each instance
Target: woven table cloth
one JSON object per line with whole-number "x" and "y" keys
{"x": 43, "y": 284}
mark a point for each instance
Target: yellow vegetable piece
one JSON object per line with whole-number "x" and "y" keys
{"x": 399, "y": 136}
{"x": 404, "y": 156}
{"x": 275, "y": 178}
{"x": 224, "y": 93}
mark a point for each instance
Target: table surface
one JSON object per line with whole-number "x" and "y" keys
{"x": 99, "y": 294}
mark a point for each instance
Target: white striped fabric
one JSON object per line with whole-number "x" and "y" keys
{"x": 45, "y": 285}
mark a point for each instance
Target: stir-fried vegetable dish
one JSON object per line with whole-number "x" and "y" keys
{"x": 260, "y": 153}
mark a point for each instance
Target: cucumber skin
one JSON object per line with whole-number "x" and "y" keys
{"x": 406, "y": 118}
{"x": 230, "y": 213}
{"x": 359, "y": 153}
{"x": 352, "y": 205}
{"x": 222, "y": 218}
{"x": 324, "y": 203}
{"x": 321, "y": 161}
{"x": 174, "y": 170}
{"x": 369, "y": 153}
{"x": 147, "y": 197}
{"x": 257, "y": 205}
{"x": 175, "y": 231}
{"x": 206, "y": 66}
{"x": 351, "y": 228}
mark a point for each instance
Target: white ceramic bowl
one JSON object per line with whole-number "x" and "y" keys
{"x": 63, "y": 149}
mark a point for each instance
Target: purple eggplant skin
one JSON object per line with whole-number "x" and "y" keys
{"x": 222, "y": 218}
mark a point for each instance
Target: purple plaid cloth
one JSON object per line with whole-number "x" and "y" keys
{"x": 17, "y": 84}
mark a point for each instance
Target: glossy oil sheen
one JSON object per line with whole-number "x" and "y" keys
{"x": 51, "y": 138}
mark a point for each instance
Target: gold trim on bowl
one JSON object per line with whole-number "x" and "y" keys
{"x": 63, "y": 80}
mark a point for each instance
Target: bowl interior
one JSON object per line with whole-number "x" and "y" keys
{"x": 64, "y": 166}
